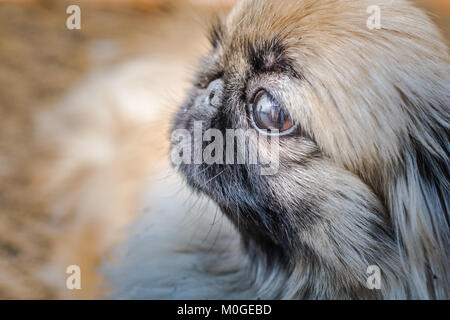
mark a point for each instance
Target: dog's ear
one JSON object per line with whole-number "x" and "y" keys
{"x": 419, "y": 199}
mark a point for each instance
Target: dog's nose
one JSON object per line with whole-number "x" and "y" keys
{"x": 214, "y": 93}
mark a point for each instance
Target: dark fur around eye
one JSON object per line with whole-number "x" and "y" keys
{"x": 216, "y": 33}
{"x": 269, "y": 55}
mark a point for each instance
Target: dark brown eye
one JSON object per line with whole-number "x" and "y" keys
{"x": 268, "y": 115}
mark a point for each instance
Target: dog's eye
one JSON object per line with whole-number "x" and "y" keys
{"x": 268, "y": 115}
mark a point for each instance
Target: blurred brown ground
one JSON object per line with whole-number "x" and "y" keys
{"x": 40, "y": 60}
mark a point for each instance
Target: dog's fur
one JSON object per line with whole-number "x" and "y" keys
{"x": 365, "y": 179}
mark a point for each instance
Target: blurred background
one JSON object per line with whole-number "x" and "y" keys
{"x": 84, "y": 118}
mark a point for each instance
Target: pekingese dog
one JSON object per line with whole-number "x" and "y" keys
{"x": 314, "y": 143}
{"x": 362, "y": 120}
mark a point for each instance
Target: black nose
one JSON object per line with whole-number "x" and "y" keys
{"x": 214, "y": 93}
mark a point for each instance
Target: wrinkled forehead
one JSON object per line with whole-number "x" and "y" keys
{"x": 257, "y": 37}
{"x": 264, "y": 17}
